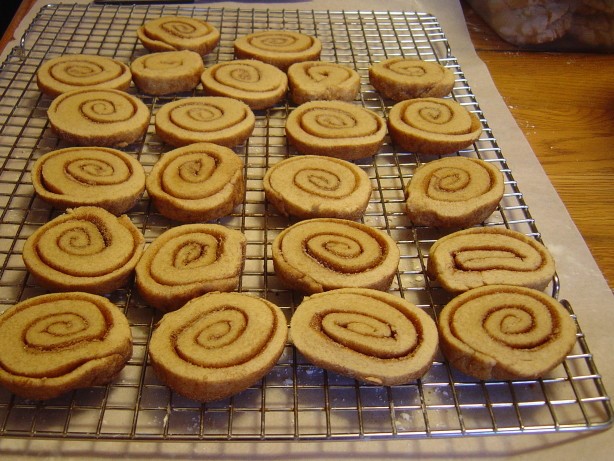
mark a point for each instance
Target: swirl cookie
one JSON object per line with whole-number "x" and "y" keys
{"x": 188, "y": 261}
{"x": 480, "y": 256}
{"x": 406, "y": 78}
{"x": 311, "y": 186}
{"x": 77, "y": 71}
{"x": 94, "y": 176}
{"x": 365, "y": 334}
{"x": 167, "y": 72}
{"x": 86, "y": 249}
{"x": 175, "y": 33}
{"x": 335, "y": 129}
{"x": 281, "y": 48}
{"x": 320, "y": 80}
{"x": 454, "y": 192}
{"x": 223, "y": 121}
{"x": 433, "y": 126}
{"x": 324, "y": 254}
{"x": 98, "y": 117}
{"x": 505, "y": 332}
{"x": 199, "y": 182}
{"x": 218, "y": 345}
{"x": 257, "y": 84}
{"x": 55, "y": 343}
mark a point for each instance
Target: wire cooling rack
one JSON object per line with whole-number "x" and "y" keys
{"x": 295, "y": 401}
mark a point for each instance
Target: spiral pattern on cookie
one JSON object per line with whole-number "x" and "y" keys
{"x": 170, "y": 33}
{"x": 218, "y": 344}
{"x": 335, "y": 129}
{"x": 188, "y": 261}
{"x": 366, "y": 334}
{"x": 58, "y": 342}
{"x": 406, "y": 78}
{"x": 312, "y": 186}
{"x": 454, "y": 191}
{"x": 325, "y": 253}
{"x": 77, "y": 71}
{"x": 505, "y": 332}
{"x": 86, "y": 249}
{"x": 98, "y": 117}
{"x": 223, "y": 121}
{"x": 97, "y": 176}
{"x": 433, "y": 125}
{"x": 320, "y": 80}
{"x": 167, "y": 72}
{"x": 489, "y": 256}
{"x": 280, "y": 48}
{"x": 257, "y": 84}
{"x": 198, "y": 182}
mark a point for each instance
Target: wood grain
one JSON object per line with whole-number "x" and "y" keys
{"x": 564, "y": 104}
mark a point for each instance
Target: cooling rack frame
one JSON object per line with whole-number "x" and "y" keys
{"x": 295, "y": 401}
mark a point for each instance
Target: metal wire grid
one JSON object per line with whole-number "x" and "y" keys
{"x": 295, "y": 401}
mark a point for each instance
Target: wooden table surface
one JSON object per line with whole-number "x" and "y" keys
{"x": 564, "y": 104}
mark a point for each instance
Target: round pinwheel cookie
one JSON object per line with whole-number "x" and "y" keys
{"x": 188, "y": 261}
{"x": 335, "y": 129}
{"x": 86, "y": 249}
{"x": 55, "y": 343}
{"x": 98, "y": 117}
{"x": 505, "y": 332}
{"x": 167, "y": 72}
{"x": 325, "y": 253}
{"x": 224, "y": 121}
{"x": 77, "y": 71}
{"x": 479, "y": 256}
{"x": 312, "y": 186}
{"x": 196, "y": 183}
{"x": 218, "y": 345}
{"x": 95, "y": 176}
{"x": 281, "y": 48}
{"x": 321, "y": 80}
{"x": 407, "y": 78}
{"x": 257, "y": 84}
{"x": 174, "y": 33}
{"x": 433, "y": 126}
{"x": 454, "y": 192}
{"x": 368, "y": 335}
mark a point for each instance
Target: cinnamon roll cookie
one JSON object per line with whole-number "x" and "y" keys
{"x": 433, "y": 126}
{"x": 324, "y": 254}
{"x": 365, "y": 334}
{"x": 505, "y": 332}
{"x": 454, "y": 192}
{"x": 407, "y": 78}
{"x": 96, "y": 176}
{"x": 86, "y": 249}
{"x": 335, "y": 129}
{"x": 54, "y": 343}
{"x": 218, "y": 345}
{"x": 167, "y": 72}
{"x": 188, "y": 261}
{"x": 257, "y": 84}
{"x": 199, "y": 182}
{"x": 320, "y": 80}
{"x": 78, "y": 71}
{"x": 174, "y": 33}
{"x": 98, "y": 117}
{"x": 281, "y": 48}
{"x": 312, "y": 186}
{"x": 223, "y": 121}
{"x": 480, "y": 256}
